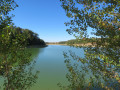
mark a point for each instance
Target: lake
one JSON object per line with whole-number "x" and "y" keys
{"x": 50, "y": 62}
{"x": 57, "y": 64}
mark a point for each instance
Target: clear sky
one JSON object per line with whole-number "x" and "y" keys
{"x": 45, "y": 17}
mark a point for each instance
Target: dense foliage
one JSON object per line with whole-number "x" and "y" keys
{"x": 30, "y": 38}
{"x": 15, "y": 36}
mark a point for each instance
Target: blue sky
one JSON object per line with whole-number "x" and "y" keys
{"x": 45, "y": 17}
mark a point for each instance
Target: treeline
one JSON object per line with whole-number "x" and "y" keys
{"x": 80, "y": 41}
{"x": 28, "y": 37}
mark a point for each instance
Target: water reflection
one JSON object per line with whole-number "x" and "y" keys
{"x": 35, "y": 52}
{"x": 17, "y": 70}
{"x": 99, "y": 69}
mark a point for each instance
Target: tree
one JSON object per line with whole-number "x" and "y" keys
{"x": 101, "y": 15}
{"x": 5, "y": 20}
{"x": 5, "y": 7}
{"x": 103, "y": 60}
{"x": 98, "y": 70}
{"x": 13, "y": 55}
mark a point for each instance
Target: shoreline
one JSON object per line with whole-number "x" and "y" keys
{"x": 37, "y": 46}
{"x": 57, "y": 44}
{"x": 77, "y": 45}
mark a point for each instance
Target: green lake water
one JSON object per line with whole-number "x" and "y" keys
{"x": 50, "y": 63}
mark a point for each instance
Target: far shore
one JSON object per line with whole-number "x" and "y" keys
{"x": 56, "y": 44}
{"x": 77, "y": 45}
{"x": 87, "y": 44}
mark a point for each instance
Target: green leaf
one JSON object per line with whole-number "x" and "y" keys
{"x": 2, "y": 35}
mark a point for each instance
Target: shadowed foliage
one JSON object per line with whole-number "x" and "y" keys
{"x": 15, "y": 66}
